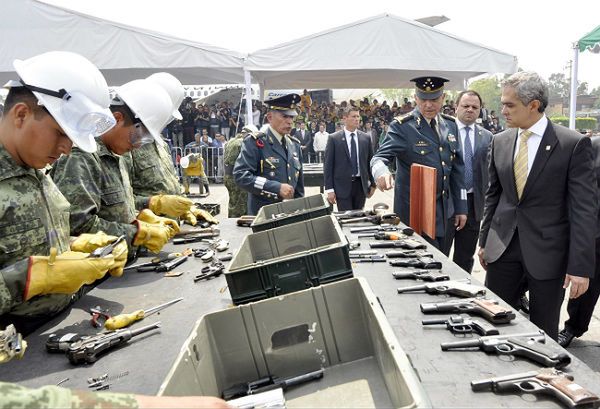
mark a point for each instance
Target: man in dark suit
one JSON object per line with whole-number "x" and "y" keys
{"x": 475, "y": 142}
{"x": 581, "y": 309}
{"x": 348, "y": 179}
{"x": 540, "y": 212}
{"x": 306, "y": 141}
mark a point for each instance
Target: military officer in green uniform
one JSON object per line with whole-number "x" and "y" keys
{"x": 426, "y": 137}
{"x": 269, "y": 166}
{"x": 238, "y": 198}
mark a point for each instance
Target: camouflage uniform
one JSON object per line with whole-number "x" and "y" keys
{"x": 98, "y": 188}
{"x": 238, "y": 198}
{"x": 14, "y": 396}
{"x": 34, "y": 216}
{"x": 151, "y": 172}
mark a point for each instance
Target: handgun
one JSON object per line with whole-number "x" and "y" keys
{"x": 456, "y": 288}
{"x": 90, "y": 347}
{"x": 424, "y": 275}
{"x": 268, "y": 383}
{"x": 194, "y": 238}
{"x": 425, "y": 262}
{"x": 106, "y": 250}
{"x": 488, "y": 309}
{"x": 546, "y": 381}
{"x": 464, "y": 324}
{"x": 410, "y": 244}
{"x": 527, "y": 345}
{"x": 163, "y": 266}
{"x": 408, "y": 254}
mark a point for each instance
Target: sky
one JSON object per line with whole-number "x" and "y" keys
{"x": 541, "y": 35}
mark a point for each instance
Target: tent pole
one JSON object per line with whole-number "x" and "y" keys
{"x": 573, "y": 100}
{"x": 248, "y": 86}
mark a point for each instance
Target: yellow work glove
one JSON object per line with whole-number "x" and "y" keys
{"x": 200, "y": 214}
{"x": 147, "y": 216}
{"x": 12, "y": 344}
{"x": 65, "y": 273}
{"x": 170, "y": 205}
{"x": 89, "y": 242}
{"x": 152, "y": 236}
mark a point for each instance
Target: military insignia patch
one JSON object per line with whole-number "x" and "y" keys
{"x": 451, "y": 138}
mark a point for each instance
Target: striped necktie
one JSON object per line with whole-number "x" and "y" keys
{"x": 520, "y": 166}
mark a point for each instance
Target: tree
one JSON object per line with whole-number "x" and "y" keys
{"x": 397, "y": 94}
{"x": 558, "y": 85}
{"x": 596, "y": 92}
{"x": 490, "y": 91}
{"x": 582, "y": 89}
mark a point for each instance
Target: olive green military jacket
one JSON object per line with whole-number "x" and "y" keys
{"x": 151, "y": 173}
{"x": 34, "y": 216}
{"x": 14, "y": 396}
{"x": 98, "y": 188}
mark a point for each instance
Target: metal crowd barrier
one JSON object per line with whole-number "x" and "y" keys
{"x": 213, "y": 161}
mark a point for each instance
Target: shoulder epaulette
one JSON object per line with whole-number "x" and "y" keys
{"x": 293, "y": 138}
{"x": 404, "y": 118}
{"x": 256, "y": 135}
{"x": 448, "y": 117}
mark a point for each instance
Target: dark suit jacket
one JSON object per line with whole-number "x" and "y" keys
{"x": 337, "y": 168}
{"x": 556, "y": 216}
{"x": 483, "y": 140}
{"x": 307, "y": 141}
{"x": 596, "y": 148}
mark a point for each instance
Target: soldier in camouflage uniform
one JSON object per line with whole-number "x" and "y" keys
{"x": 238, "y": 198}
{"x": 98, "y": 185}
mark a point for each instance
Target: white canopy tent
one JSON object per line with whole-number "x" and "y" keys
{"x": 384, "y": 51}
{"x": 122, "y": 53}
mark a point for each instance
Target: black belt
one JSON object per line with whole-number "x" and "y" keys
{"x": 355, "y": 178}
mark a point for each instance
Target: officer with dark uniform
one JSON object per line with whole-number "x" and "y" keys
{"x": 426, "y": 137}
{"x": 269, "y": 166}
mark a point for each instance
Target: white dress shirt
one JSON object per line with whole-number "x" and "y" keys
{"x": 533, "y": 143}
{"x": 348, "y": 141}
{"x": 320, "y": 141}
{"x": 463, "y": 134}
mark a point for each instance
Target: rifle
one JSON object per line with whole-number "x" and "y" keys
{"x": 456, "y": 288}
{"x": 410, "y": 244}
{"x": 426, "y": 263}
{"x": 488, "y": 309}
{"x": 88, "y": 348}
{"x": 424, "y": 275}
{"x": 268, "y": 383}
{"x": 516, "y": 345}
{"x": 464, "y": 324}
{"x": 546, "y": 381}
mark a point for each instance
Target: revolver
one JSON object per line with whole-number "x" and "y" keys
{"x": 214, "y": 270}
{"x": 528, "y": 345}
{"x": 546, "y": 381}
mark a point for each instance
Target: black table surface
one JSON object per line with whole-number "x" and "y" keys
{"x": 147, "y": 358}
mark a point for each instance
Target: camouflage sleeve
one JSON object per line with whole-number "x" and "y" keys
{"x": 15, "y": 396}
{"x": 141, "y": 202}
{"x": 13, "y": 280}
{"x": 79, "y": 178}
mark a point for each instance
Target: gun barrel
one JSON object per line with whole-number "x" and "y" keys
{"x": 412, "y": 288}
{"x": 138, "y": 331}
{"x": 491, "y": 383}
{"x": 446, "y": 346}
{"x": 435, "y": 321}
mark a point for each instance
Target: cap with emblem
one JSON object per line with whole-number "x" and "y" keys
{"x": 285, "y": 104}
{"x": 429, "y": 87}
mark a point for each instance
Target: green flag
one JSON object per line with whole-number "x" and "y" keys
{"x": 590, "y": 41}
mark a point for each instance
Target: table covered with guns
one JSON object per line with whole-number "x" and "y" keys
{"x": 468, "y": 348}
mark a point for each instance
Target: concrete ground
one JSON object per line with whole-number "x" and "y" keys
{"x": 586, "y": 348}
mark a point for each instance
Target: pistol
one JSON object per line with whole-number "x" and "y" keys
{"x": 424, "y": 275}
{"x": 488, "y": 309}
{"x": 163, "y": 266}
{"x": 408, "y": 254}
{"x": 269, "y": 383}
{"x": 456, "y": 288}
{"x": 546, "y": 381}
{"x": 410, "y": 244}
{"x": 88, "y": 348}
{"x": 464, "y": 324}
{"x": 528, "y": 345}
{"x": 425, "y": 262}
{"x": 373, "y": 229}
{"x": 195, "y": 238}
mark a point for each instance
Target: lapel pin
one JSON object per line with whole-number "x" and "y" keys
{"x": 547, "y": 147}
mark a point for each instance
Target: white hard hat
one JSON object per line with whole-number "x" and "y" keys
{"x": 185, "y": 162}
{"x": 73, "y": 91}
{"x": 149, "y": 102}
{"x": 174, "y": 88}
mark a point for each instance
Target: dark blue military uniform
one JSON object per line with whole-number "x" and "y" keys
{"x": 263, "y": 165}
{"x": 410, "y": 139}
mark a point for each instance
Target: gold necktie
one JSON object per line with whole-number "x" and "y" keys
{"x": 520, "y": 166}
